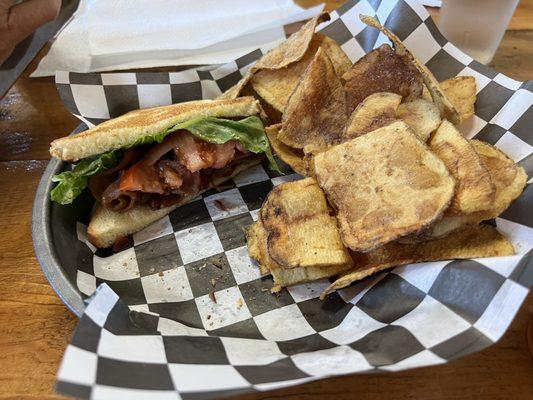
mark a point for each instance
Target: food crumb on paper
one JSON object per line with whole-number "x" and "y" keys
{"x": 161, "y": 274}
{"x": 220, "y": 205}
{"x": 240, "y": 303}
{"x": 212, "y": 297}
{"x": 208, "y": 316}
{"x": 218, "y": 263}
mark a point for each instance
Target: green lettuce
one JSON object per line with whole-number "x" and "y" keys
{"x": 249, "y": 131}
{"x": 71, "y": 183}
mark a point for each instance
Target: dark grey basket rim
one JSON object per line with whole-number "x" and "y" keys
{"x": 43, "y": 244}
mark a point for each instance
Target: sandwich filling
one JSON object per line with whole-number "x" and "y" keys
{"x": 160, "y": 170}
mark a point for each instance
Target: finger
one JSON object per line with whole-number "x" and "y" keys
{"x": 5, "y": 52}
{"x": 26, "y": 17}
{"x": 5, "y": 5}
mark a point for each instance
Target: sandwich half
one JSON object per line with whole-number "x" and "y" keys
{"x": 141, "y": 166}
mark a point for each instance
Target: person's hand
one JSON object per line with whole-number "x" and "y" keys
{"x": 17, "y": 21}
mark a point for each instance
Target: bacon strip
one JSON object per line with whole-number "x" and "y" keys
{"x": 164, "y": 177}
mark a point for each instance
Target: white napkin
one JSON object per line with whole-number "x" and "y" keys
{"x": 106, "y": 35}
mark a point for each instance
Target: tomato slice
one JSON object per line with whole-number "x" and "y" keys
{"x": 141, "y": 177}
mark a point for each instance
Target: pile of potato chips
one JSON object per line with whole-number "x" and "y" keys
{"x": 390, "y": 179}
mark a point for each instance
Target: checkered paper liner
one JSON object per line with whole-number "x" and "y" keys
{"x": 184, "y": 313}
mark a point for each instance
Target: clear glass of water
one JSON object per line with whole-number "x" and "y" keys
{"x": 476, "y": 26}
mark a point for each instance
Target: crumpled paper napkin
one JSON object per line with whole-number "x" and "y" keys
{"x": 106, "y": 35}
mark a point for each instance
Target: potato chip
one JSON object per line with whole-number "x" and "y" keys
{"x": 288, "y": 52}
{"x": 381, "y": 70}
{"x": 314, "y": 117}
{"x": 461, "y": 91}
{"x": 470, "y": 242}
{"x": 384, "y": 185}
{"x": 422, "y": 116}
{"x": 509, "y": 180}
{"x": 292, "y": 215}
{"x": 276, "y": 85}
{"x": 475, "y": 190}
{"x": 446, "y": 108}
{"x": 376, "y": 111}
{"x": 257, "y": 247}
{"x": 293, "y": 157}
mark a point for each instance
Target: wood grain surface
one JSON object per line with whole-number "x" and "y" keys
{"x": 35, "y": 326}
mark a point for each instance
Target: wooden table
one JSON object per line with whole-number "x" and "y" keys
{"x": 35, "y": 326}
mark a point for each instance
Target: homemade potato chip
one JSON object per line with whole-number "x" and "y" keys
{"x": 292, "y": 157}
{"x": 288, "y": 52}
{"x": 381, "y": 70}
{"x": 509, "y": 180}
{"x": 376, "y": 111}
{"x": 314, "y": 117}
{"x": 257, "y": 247}
{"x": 475, "y": 190}
{"x": 276, "y": 85}
{"x": 461, "y": 91}
{"x": 471, "y": 242}
{"x": 384, "y": 185}
{"x": 421, "y": 115}
{"x": 446, "y": 108}
{"x": 256, "y": 239}
{"x": 292, "y": 215}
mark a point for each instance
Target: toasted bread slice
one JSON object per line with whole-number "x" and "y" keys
{"x": 129, "y": 128}
{"x": 276, "y": 85}
{"x": 470, "y": 242}
{"x": 421, "y": 115}
{"x": 314, "y": 117}
{"x": 384, "y": 185}
{"x": 376, "y": 111}
{"x": 107, "y": 226}
{"x": 381, "y": 70}
{"x": 292, "y": 215}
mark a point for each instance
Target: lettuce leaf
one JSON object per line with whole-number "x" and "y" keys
{"x": 71, "y": 183}
{"x": 249, "y": 131}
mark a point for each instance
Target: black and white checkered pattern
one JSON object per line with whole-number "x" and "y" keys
{"x": 183, "y": 313}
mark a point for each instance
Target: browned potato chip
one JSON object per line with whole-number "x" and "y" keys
{"x": 470, "y": 242}
{"x": 421, "y": 115}
{"x": 276, "y": 85}
{"x": 288, "y": 52}
{"x": 475, "y": 190}
{"x": 292, "y": 215}
{"x": 293, "y": 157}
{"x": 461, "y": 91}
{"x": 376, "y": 111}
{"x": 509, "y": 179}
{"x": 384, "y": 185}
{"x": 314, "y": 117}
{"x": 292, "y": 49}
{"x": 257, "y": 247}
{"x": 256, "y": 239}
{"x": 446, "y": 108}
{"x": 381, "y": 70}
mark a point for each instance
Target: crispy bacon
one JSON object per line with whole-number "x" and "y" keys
{"x": 181, "y": 163}
{"x": 99, "y": 183}
{"x": 118, "y": 200}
